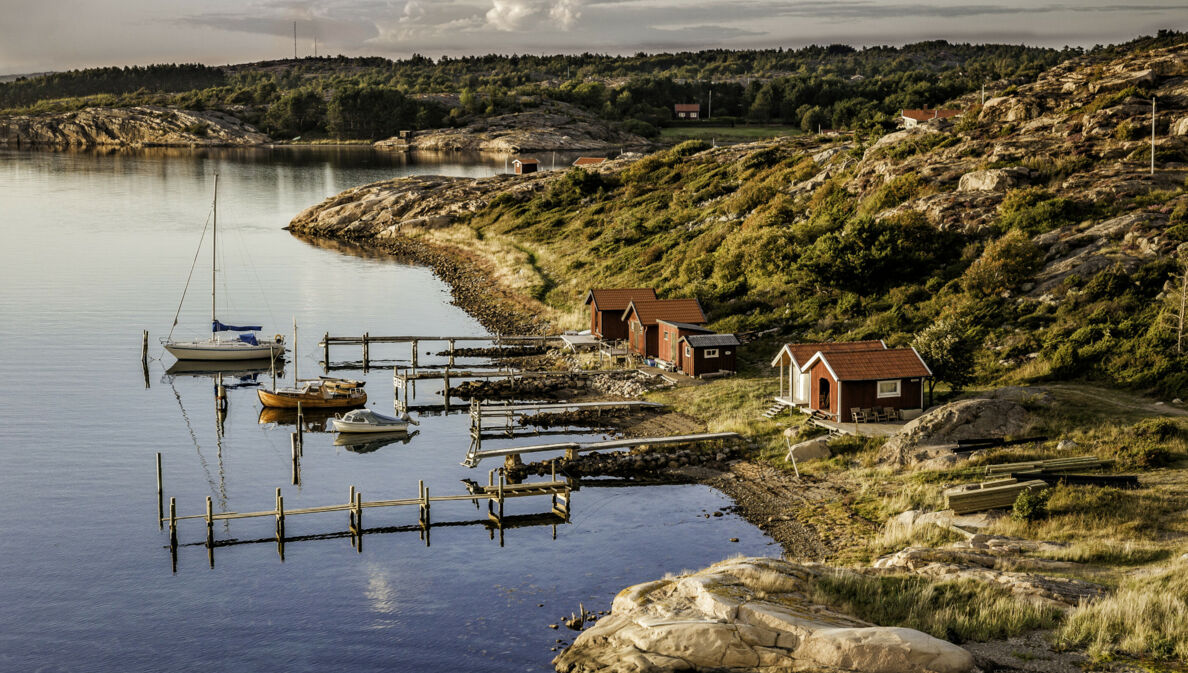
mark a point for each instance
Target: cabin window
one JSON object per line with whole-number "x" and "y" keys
{"x": 711, "y": 353}
{"x": 889, "y": 388}
{"x": 688, "y": 351}
{"x": 666, "y": 335}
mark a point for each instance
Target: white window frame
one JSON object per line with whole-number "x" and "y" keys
{"x": 688, "y": 351}
{"x": 666, "y": 335}
{"x": 710, "y": 353}
{"x": 896, "y": 393}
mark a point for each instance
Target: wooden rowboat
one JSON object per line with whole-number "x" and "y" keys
{"x": 323, "y": 393}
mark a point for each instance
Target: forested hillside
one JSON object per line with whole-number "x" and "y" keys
{"x": 1025, "y": 240}
{"x": 835, "y": 86}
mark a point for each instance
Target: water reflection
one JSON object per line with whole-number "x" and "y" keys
{"x": 366, "y": 443}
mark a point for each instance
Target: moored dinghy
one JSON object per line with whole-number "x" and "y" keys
{"x": 320, "y": 393}
{"x": 367, "y": 421}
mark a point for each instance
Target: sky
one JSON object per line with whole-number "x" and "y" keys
{"x": 44, "y": 35}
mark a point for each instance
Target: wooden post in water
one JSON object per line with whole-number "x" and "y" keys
{"x": 366, "y": 350}
{"x": 326, "y": 353}
{"x": 280, "y": 524}
{"x": 173, "y": 523}
{"x": 293, "y": 441}
{"x": 445, "y": 391}
{"x": 451, "y": 351}
{"x": 160, "y": 496}
{"x": 351, "y": 512}
{"x": 414, "y": 353}
{"x": 359, "y": 519}
{"x": 210, "y": 530}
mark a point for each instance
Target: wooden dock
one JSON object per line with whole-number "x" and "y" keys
{"x": 404, "y": 380}
{"x": 572, "y": 449}
{"x": 507, "y": 416}
{"x": 365, "y": 340}
{"x": 496, "y": 493}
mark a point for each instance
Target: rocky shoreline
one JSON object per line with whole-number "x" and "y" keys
{"x": 136, "y": 127}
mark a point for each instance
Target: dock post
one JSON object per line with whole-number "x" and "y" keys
{"x": 359, "y": 519}
{"x": 173, "y": 522}
{"x": 144, "y": 348}
{"x": 280, "y": 517}
{"x": 160, "y": 496}
{"x": 414, "y": 353}
{"x": 451, "y": 351}
{"x": 350, "y": 511}
{"x": 293, "y": 442}
{"x": 366, "y": 350}
{"x": 326, "y": 353}
{"x": 445, "y": 391}
{"x": 210, "y": 530}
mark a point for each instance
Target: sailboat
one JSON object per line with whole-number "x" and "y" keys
{"x": 324, "y": 392}
{"x": 245, "y": 345}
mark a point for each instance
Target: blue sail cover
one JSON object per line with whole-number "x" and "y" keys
{"x": 249, "y": 339}
{"x": 217, "y": 326}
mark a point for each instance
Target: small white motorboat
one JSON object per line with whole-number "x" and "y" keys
{"x": 366, "y": 420}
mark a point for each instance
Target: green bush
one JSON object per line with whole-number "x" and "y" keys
{"x": 1031, "y": 505}
{"x": 1004, "y": 264}
{"x": 1033, "y": 210}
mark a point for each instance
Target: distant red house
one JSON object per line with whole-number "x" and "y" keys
{"x": 670, "y": 333}
{"x": 589, "y": 161}
{"x": 842, "y": 381}
{"x": 607, "y": 306}
{"x": 703, "y": 354}
{"x": 522, "y": 166}
{"x": 687, "y": 110}
{"x": 643, "y": 335}
{"x": 911, "y": 118}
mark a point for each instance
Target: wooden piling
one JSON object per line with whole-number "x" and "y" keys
{"x": 359, "y": 518}
{"x": 160, "y": 495}
{"x": 173, "y": 523}
{"x": 144, "y": 348}
{"x": 209, "y": 522}
{"x": 325, "y": 352}
{"x": 414, "y": 353}
{"x": 451, "y": 351}
{"x": 366, "y": 350}
{"x": 280, "y": 517}
{"x": 350, "y": 511}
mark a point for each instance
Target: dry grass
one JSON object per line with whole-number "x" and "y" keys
{"x": 1146, "y": 617}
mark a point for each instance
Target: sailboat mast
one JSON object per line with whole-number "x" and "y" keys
{"x": 214, "y": 243}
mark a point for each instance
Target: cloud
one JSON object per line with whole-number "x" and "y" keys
{"x": 565, "y": 13}
{"x": 521, "y": 15}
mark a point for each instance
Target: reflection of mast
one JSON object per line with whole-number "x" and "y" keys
{"x": 197, "y": 447}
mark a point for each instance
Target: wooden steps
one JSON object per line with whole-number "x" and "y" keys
{"x": 775, "y": 409}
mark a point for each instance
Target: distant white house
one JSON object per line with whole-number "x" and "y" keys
{"x": 912, "y": 118}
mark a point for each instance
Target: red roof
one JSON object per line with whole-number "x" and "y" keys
{"x": 589, "y": 161}
{"x": 618, "y": 299}
{"x": 893, "y": 363}
{"x": 926, "y": 114}
{"x": 526, "y": 161}
{"x": 687, "y": 107}
{"x": 802, "y": 353}
{"x": 675, "y": 310}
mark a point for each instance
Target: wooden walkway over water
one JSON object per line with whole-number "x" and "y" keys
{"x": 572, "y": 449}
{"x": 404, "y": 380}
{"x": 365, "y": 340}
{"x": 495, "y": 492}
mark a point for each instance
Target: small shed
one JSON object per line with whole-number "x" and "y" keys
{"x": 523, "y": 166}
{"x": 670, "y": 334}
{"x": 703, "y": 354}
{"x": 589, "y": 161}
{"x": 687, "y": 110}
{"x": 840, "y": 382}
{"x": 642, "y": 317}
{"x": 794, "y": 384}
{"x": 607, "y": 306}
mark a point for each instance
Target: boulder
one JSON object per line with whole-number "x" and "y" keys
{"x": 1179, "y": 127}
{"x": 992, "y": 180}
{"x": 744, "y": 614}
{"x": 811, "y": 449}
{"x": 941, "y": 427}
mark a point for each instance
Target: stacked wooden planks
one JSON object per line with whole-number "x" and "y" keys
{"x": 1076, "y": 464}
{"x": 988, "y": 495}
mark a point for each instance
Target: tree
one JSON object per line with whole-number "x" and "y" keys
{"x": 296, "y": 112}
{"x": 947, "y": 347}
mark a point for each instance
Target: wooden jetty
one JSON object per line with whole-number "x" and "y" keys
{"x": 404, "y": 380}
{"x": 496, "y": 493}
{"x": 572, "y": 449}
{"x": 365, "y": 340}
{"x": 507, "y": 416}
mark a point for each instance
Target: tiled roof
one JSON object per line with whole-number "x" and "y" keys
{"x": 892, "y": 363}
{"x": 702, "y": 340}
{"x": 926, "y": 114}
{"x": 589, "y": 161}
{"x": 678, "y": 310}
{"x": 686, "y": 326}
{"x": 804, "y": 352}
{"x": 617, "y": 299}
{"x": 687, "y": 107}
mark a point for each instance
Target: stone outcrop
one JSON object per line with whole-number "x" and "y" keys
{"x": 144, "y": 126}
{"x": 748, "y": 614}
{"x": 935, "y": 431}
{"x": 993, "y": 180}
{"x": 555, "y": 127}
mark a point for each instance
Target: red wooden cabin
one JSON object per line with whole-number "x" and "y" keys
{"x": 846, "y": 380}
{"x": 606, "y": 310}
{"x": 643, "y": 335}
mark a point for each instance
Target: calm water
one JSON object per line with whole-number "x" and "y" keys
{"x": 96, "y": 247}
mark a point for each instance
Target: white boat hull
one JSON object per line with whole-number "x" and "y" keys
{"x": 367, "y": 428}
{"x": 228, "y": 350}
